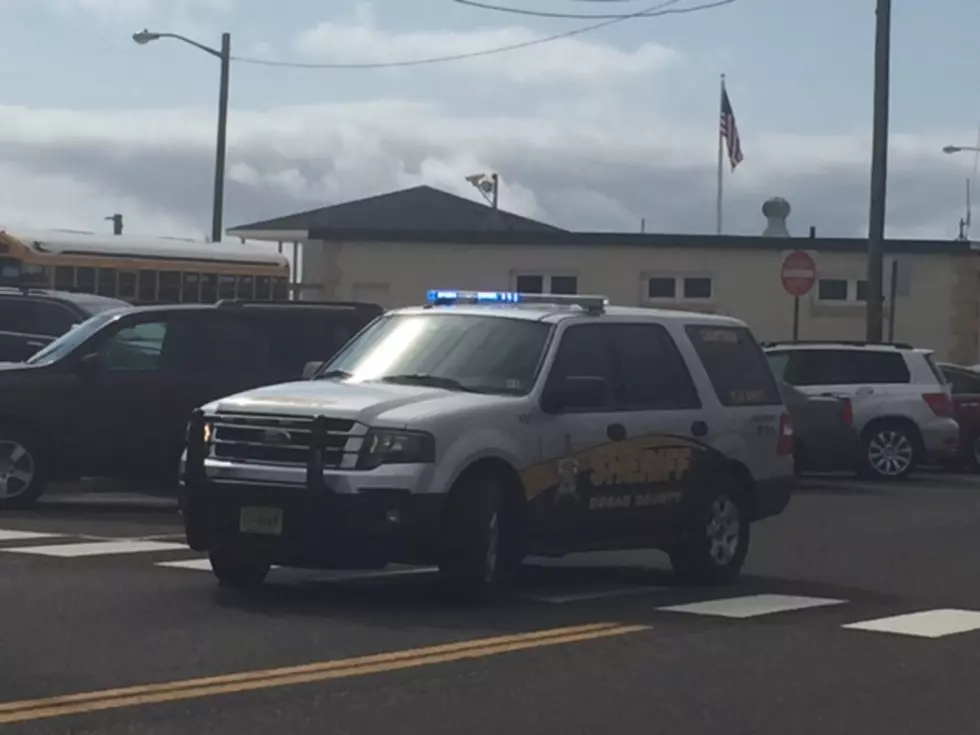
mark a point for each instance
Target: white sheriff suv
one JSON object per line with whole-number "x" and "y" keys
{"x": 485, "y": 427}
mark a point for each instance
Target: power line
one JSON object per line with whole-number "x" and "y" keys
{"x": 663, "y": 8}
{"x": 650, "y": 12}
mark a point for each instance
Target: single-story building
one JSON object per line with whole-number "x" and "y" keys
{"x": 390, "y": 249}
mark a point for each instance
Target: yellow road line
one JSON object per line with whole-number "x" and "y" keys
{"x": 36, "y": 709}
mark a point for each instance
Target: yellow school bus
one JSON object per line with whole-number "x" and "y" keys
{"x": 141, "y": 270}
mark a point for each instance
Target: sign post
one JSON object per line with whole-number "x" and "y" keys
{"x": 798, "y": 274}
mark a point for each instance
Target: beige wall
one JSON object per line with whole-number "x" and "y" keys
{"x": 937, "y": 303}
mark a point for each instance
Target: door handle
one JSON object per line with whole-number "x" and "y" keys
{"x": 616, "y": 432}
{"x": 699, "y": 429}
{"x": 864, "y": 391}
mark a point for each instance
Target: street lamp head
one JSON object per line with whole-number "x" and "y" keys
{"x": 951, "y": 149}
{"x": 144, "y": 37}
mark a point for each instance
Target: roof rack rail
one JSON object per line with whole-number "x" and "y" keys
{"x": 229, "y": 303}
{"x": 849, "y": 342}
{"x": 439, "y": 297}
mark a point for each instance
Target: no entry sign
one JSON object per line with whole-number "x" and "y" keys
{"x": 798, "y": 274}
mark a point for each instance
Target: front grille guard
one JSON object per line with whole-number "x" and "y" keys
{"x": 197, "y": 451}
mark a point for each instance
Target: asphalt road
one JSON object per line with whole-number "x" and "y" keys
{"x": 108, "y": 625}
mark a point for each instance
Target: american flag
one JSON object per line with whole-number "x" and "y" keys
{"x": 729, "y": 131}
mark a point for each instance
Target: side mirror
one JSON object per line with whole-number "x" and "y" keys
{"x": 310, "y": 368}
{"x": 574, "y": 392}
{"x": 89, "y": 366}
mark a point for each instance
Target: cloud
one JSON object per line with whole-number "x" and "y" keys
{"x": 137, "y": 8}
{"x": 71, "y": 168}
{"x": 359, "y": 39}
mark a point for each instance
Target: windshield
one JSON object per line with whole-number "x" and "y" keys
{"x": 67, "y": 342}
{"x": 485, "y": 354}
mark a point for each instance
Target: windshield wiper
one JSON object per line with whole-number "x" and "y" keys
{"x": 434, "y": 381}
{"x": 332, "y": 374}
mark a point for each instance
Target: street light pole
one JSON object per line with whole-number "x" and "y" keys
{"x": 879, "y": 171}
{"x": 224, "y": 56}
{"x": 219, "y": 162}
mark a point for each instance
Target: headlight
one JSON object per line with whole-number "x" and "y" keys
{"x": 383, "y": 446}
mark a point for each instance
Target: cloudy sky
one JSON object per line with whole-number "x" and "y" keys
{"x": 593, "y": 132}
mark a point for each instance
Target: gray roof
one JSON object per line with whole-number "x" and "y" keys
{"x": 421, "y": 208}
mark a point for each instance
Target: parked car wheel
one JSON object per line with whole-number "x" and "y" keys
{"x": 719, "y": 539}
{"x": 890, "y": 451}
{"x": 23, "y": 472}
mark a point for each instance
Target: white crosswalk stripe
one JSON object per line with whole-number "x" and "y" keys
{"x": 751, "y": 606}
{"x": 97, "y": 548}
{"x": 926, "y": 624}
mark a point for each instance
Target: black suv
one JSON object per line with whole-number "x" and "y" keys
{"x": 112, "y": 397}
{"x": 31, "y": 318}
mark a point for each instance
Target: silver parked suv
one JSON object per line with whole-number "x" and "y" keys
{"x": 903, "y": 412}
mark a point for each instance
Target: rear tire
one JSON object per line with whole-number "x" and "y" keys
{"x": 890, "y": 451}
{"x": 239, "y": 569}
{"x": 718, "y": 542}
{"x": 478, "y": 540}
{"x": 23, "y": 469}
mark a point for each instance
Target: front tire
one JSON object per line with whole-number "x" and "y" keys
{"x": 477, "y": 540}
{"x": 715, "y": 550}
{"x": 890, "y": 451}
{"x": 238, "y": 569}
{"x": 23, "y": 470}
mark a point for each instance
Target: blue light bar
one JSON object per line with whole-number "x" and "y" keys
{"x": 450, "y": 296}
{"x": 494, "y": 297}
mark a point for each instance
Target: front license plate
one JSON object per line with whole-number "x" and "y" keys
{"x": 265, "y": 521}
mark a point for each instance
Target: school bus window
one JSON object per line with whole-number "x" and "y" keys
{"x": 191, "y": 292}
{"x": 226, "y": 287}
{"x": 34, "y": 275}
{"x": 107, "y": 282}
{"x": 147, "y": 290}
{"x": 169, "y": 290}
{"x": 280, "y": 289}
{"x": 127, "y": 285}
{"x": 209, "y": 288}
{"x": 246, "y": 287}
{"x": 263, "y": 288}
{"x": 9, "y": 272}
{"x": 85, "y": 280}
{"x": 64, "y": 278}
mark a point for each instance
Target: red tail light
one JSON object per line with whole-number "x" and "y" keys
{"x": 785, "y": 445}
{"x": 940, "y": 403}
{"x": 847, "y": 414}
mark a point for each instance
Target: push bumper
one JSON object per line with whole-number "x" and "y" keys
{"x": 320, "y": 523}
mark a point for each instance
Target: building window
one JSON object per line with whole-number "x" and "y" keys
{"x": 662, "y": 288}
{"x": 544, "y": 283}
{"x": 680, "y": 288}
{"x": 842, "y": 290}
{"x": 697, "y": 288}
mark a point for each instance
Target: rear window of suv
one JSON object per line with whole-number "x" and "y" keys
{"x": 735, "y": 364}
{"x": 841, "y": 367}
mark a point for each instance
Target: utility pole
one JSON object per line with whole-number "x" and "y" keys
{"x": 219, "y": 163}
{"x": 117, "y": 223}
{"x": 879, "y": 171}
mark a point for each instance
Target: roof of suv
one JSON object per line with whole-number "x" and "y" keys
{"x": 855, "y": 346}
{"x": 83, "y": 300}
{"x": 553, "y": 313}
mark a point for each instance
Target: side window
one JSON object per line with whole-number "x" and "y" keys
{"x": 238, "y": 345}
{"x": 735, "y": 364}
{"x": 107, "y": 282}
{"x": 298, "y": 339}
{"x": 138, "y": 347}
{"x": 209, "y": 288}
{"x": 127, "y": 285}
{"x": 27, "y": 316}
{"x": 85, "y": 280}
{"x": 246, "y": 287}
{"x": 169, "y": 290}
{"x": 879, "y": 367}
{"x": 652, "y": 373}
{"x": 226, "y": 287}
{"x": 191, "y": 288}
{"x": 963, "y": 383}
{"x": 846, "y": 367}
{"x": 64, "y": 277}
{"x": 583, "y": 352}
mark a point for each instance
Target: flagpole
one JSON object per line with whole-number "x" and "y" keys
{"x": 721, "y": 161}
